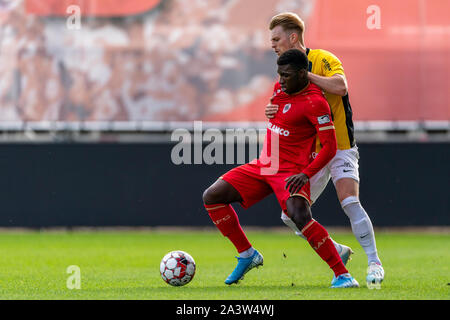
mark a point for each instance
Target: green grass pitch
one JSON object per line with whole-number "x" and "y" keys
{"x": 125, "y": 265}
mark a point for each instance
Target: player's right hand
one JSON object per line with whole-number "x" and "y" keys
{"x": 271, "y": 109}
{"x": 296, "y": 182}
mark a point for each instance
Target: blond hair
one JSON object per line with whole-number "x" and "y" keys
{"x": 289, "y": 21}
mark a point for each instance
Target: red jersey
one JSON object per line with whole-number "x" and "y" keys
{"x": 298, "y": 121}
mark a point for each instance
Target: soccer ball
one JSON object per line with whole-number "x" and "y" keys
{"x": 177, "y": 268}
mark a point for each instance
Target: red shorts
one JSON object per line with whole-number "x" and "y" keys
{"x": 253, "y": 185}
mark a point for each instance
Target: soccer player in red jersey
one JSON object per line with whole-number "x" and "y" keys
{"x": 283, "y": 168}
{"x": 326, "y": 71}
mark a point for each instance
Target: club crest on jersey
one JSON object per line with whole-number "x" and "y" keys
{"x": 286, "y": 107}
{"x": 323, "y": 119}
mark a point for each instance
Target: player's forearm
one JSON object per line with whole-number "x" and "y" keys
{"x": 328, "y": 151}
{"x": 335, "y": 84}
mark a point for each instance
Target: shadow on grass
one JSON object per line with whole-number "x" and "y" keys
{"x": 219, "y": 292}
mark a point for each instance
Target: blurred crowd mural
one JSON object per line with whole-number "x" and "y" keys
{"x": 211, "y": 60}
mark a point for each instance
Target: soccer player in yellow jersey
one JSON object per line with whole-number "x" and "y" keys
{"x": 326, "y": 71}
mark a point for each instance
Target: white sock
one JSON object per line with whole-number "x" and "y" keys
{"x": 287, "y": 221}
{"x": 362, "y": 227}
{"x": 247, "y": 253}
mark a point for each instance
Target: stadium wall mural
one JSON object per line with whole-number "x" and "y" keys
{"x": 175, "y": 60}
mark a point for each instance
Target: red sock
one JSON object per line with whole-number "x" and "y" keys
{"x": 226, "y": 220}
{"x": 320, "y": 241}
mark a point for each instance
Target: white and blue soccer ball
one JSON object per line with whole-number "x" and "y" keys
{"x": 177, "y": 268}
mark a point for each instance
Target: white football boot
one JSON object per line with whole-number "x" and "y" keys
{"x": 375, "y": 275}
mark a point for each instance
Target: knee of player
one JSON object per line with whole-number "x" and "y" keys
{"x": 299, "y": 211}
{"x": 211, "y": 196}
{"x": 207, "y": 195}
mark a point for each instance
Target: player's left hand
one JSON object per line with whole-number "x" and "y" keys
{"x": 296, "y": 182}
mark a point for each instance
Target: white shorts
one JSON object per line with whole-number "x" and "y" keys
{"x": 343, "y": 165}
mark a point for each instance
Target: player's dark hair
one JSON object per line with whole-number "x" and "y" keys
{"x": 294, "y": 57}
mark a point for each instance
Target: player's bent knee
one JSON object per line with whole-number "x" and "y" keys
{"x": 299, "y": 211}
{"x": 220, "y": 192}
{"x": 211, "y": 195}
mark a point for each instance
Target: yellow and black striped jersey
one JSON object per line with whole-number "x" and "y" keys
{"x": 324, "y": 63}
